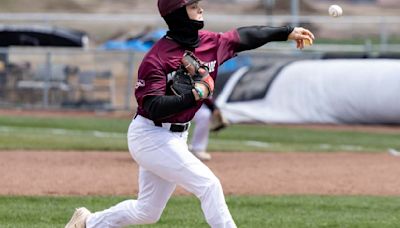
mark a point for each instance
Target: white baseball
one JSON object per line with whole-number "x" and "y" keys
{"x": 335, "y": 11}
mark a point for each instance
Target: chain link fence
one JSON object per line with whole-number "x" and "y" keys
{"x": 67, "y": 78}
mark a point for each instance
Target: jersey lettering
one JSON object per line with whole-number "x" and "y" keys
{"x": 210, "y": 65}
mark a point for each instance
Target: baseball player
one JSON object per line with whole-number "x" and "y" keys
{"x": 174, "y": 78}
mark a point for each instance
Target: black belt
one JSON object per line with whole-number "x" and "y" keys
{"x": 178, "y": 127}
{"x": 175, "y": 127}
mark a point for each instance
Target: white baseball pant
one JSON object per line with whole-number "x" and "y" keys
{"x": 201, "y": 132}
{"x": 164, "y": 162}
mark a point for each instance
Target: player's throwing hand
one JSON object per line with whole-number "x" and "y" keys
{"x": 302, "y": 37}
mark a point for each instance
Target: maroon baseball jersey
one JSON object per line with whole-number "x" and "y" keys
{"x": 164, "y": 58}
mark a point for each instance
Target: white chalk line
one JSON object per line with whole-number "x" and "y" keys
{"x": 58, "y": 131}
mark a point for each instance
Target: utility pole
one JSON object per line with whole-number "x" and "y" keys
{"x": 269, "y": 6}
{"x": 295, "y": 12}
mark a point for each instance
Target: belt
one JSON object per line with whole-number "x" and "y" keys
{"x": 173, "y": 127}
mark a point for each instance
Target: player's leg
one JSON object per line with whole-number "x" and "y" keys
{"x": 154, "y": 191}
{"x": 175, "y": 163}
{"x": 198, "y": 179}
{"x": 200, "y": 134}
{"x": 153, "y": 196}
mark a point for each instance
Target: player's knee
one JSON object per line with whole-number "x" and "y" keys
{"x": 215, "y": 183}
{"x": 153, "y": 218}
{"x": 150, "y": 218}
{"x": 212, "y": 185}
{"x": 150, "y": 214}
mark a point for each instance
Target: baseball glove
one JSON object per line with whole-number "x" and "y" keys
{"x": 182, "y": 82}
{"x": 192, "y": 71}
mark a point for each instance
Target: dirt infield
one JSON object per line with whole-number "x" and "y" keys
{"x": 114, "y": 173}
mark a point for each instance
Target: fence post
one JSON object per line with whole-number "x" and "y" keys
{"x": 47, "y": 78}
{"x": 294, "y": 8}
{"x": 384, "y": 36}
{"x": 129, "y": 86}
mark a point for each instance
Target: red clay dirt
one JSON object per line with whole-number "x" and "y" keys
{"x": 115, "y": 173}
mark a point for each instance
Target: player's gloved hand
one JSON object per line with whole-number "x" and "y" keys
{"x": 182, "y": 82}
{"x": 302, "y": 37}
{"x": 203, "y": 82}
{"x": 192, "y": 76}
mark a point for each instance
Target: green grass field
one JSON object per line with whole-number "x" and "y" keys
{"x": 249, "y": 211}
{"x": 110, "y": 134}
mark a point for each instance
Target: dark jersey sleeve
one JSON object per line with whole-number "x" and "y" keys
{"x": 255, "y": 36}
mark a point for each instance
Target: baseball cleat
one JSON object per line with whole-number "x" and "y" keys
{"x": 203, "y": 156}
{"x": 394, "y": 152}
{"x": 78, "y": 219}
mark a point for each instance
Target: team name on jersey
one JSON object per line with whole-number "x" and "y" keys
{"x": 210, "y": 65}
